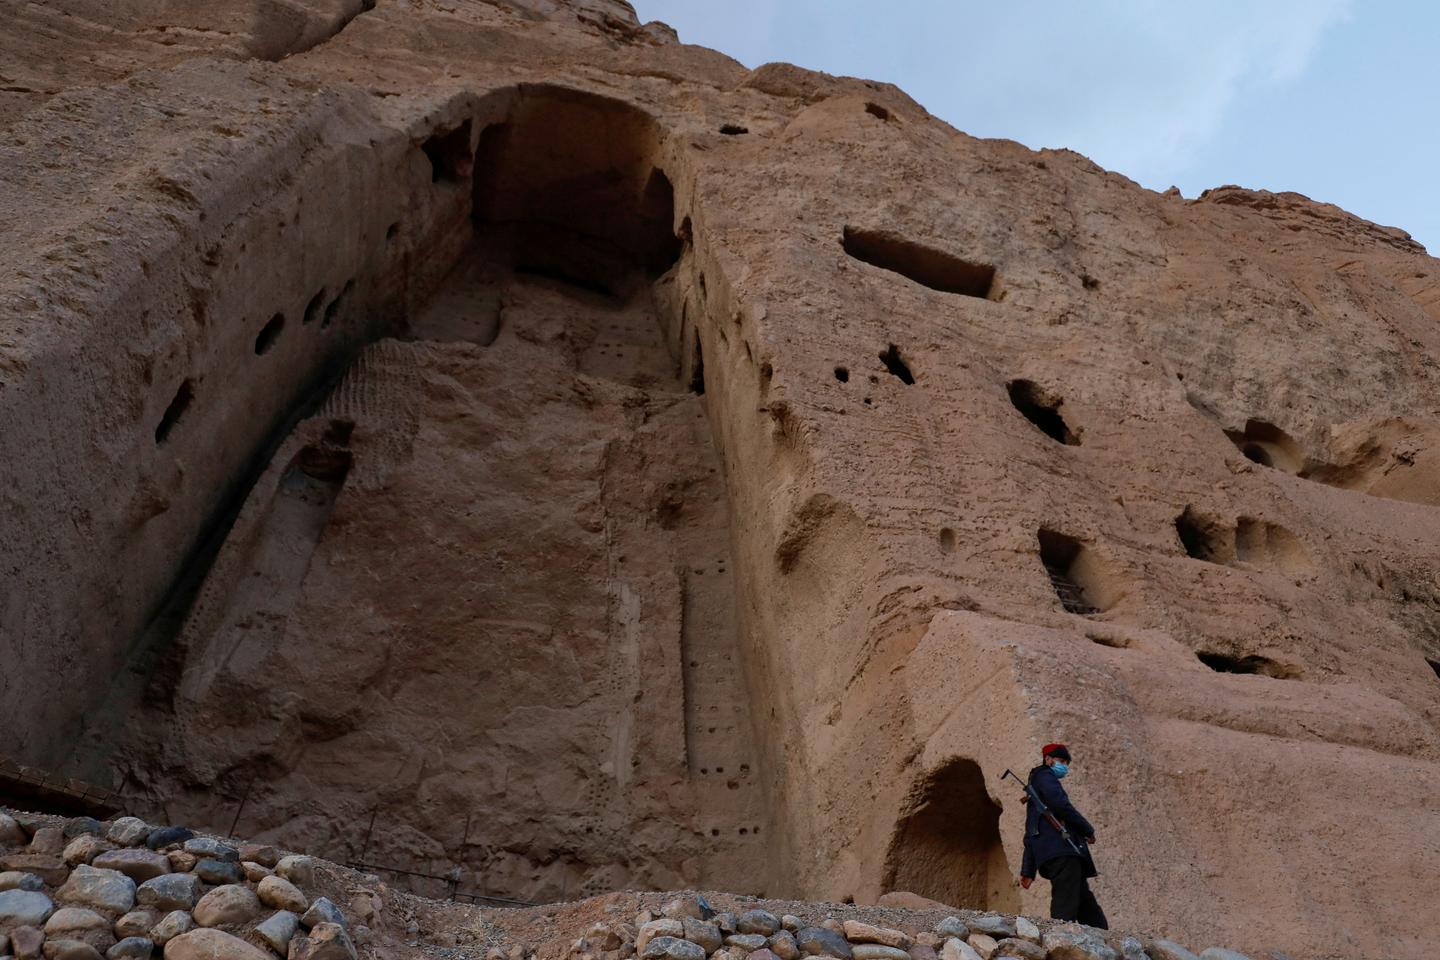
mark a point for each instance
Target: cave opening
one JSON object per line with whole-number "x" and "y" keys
{"x": 184, "y": 395}
{"x": 265, "y": 339}
{"x": 1042, "y": 409}
{"x": 924, "y": 265}
{"x": 946, "y": 845}
{"x": 1266, "y": 444}
{"x": 1202, "y": 538}
{"x": 1074, "y": 573}
{"x": 450, "y": 155}
{"x": 1246, "y": 664}
{"x": 894, "y": 363}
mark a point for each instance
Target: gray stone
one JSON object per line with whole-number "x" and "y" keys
{"x": 128, "y": 831}
{"x": 82, "y": 825}
{"x": 790, "y": 922}
{"x": 11, "y": 834}
{"x": 957, "y": 949}
{"x": 952, "y": 927}
{"x": 218, "y": 872}
{"x": 173, "y": 891}
{"x": 162, "y": 837}
{"x": 725, "y": 920}
{"x": 707, "y": 935}
{"x": 85, "y": 848}
{"x": 322, "y": 911}
{"x": 261, "y": 853}
{"x": 175, "y": 923}
{"x": 663, "y": 927}
{"x": 1075, "y": 944}
{"x": 278, "y": 930}
{"x": 1021, "y": 949}
{"x": 95, "y": 887}
{"x": 23, "y": 908}
{"x": 48, "y": 840}
{"x": 214, "y": 945}
{"x": 15, "y": 880}
{"x": 50, "y": 869}
{"x": 1132, "y": 949}
{"x": 70, "y": 950}
{"x": 820, "y": 942}
{"x": 297, "y": 869}
{"x": 983, "y": 944}
{"x": 1220, "y": 953}
{"x": 329, "y": 941}
{"x": 783, "y": 944}
{"x": 992, "y": 925}
{"x": 208, "y": 848}
{"x": 1026, "y": 930}
{"x": 877, "y": 951}
{"x": 280, "y": 894}
{"x": 80, "y": 923}
{"x": 672, "y": 948}
{"x": 255, "y": 872}
{"x": 27, "y": 942}
{"x": 765, "y": 953}
{"x": 762, "y": 922}
{"x": 232, "y": 903}
{"x": 136, "y": 923}
{"x": 131, "y": 948}
{"x": 857, "y": 931}
{"x": 1168, "y": 950}
{"x": 138, "y": 865}
{"x": 747, "y": 942}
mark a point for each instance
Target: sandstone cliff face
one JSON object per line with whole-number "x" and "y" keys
{"x": 596, "y": 465}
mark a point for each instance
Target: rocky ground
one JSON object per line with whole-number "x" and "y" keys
{"x": 80, "y": 889}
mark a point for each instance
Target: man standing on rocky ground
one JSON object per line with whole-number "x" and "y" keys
{"x": 1047, "y": 850}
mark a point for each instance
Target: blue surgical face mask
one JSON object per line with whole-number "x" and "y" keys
{"x": 1060, "y": 769}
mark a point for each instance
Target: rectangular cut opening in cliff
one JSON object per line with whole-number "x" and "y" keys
{"x": 924, "y": 265}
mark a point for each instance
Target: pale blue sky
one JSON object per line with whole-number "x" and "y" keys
{"x": 1336, "y": 99}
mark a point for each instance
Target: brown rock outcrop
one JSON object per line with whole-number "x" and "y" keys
{"x": 497, "y": 438}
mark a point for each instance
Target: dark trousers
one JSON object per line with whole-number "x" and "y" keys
{"x": 1070, "y": 896}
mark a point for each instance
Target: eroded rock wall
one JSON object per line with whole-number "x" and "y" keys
{"x": 1007, "y": 450}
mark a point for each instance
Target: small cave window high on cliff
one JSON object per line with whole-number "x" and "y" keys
{"x": 175, "y": 411}
{"x": 268, "y": 334}
{"x": 1434, "y": 665}
{"x": 569, "y": 187}
{"x": 1042, "y": 408}
{"x": 1268, "y": 445}
{"x": 1261, "y": 666}
{"x": 897, "y": 366}
{"x": 946, "y": 844}
{"x": 1074, "y": 572}
{"x": 1203, "y": 538}
{"x": 925, "y": 265}
{"x": 451, "y": 158}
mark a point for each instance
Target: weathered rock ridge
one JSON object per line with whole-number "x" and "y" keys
{"x": 497, "y": 441}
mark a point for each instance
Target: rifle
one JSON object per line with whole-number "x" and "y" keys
{"x": 1053, "y": 820}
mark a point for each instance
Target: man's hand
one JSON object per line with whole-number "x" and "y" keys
{"x": 1025, "y": 882}
{"x": 1090, "y": 840}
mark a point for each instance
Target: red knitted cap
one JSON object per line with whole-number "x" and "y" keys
{"x": 1056, "y": 750}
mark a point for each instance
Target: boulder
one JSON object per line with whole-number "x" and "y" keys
{"x": 820, "y": 942}
{"x": 1168, "y": 950}
{"x": 162, "y": 837}
{"x": 138, "y": 865}
{"x": 70, "y": 950}
{"x": 278, "y": 930}
{"x": 992, "y": 925}
{"x": 219, "y": 872}
{"x": 255, "y": 872}
{"x": 1220, "y": 953}
{"x": 85, "y": 848}
{"x": 952, "y": 927}
{"x": 208, "y": 848}
{"x": 82, "y": 825}
{"x": 131, "y": 948}
{"x": 213, "y": 945}
{"x": 27, "y": 942}
{"x": 1022, "y": 949}
{"x": 983, "y": 944}
{"x": 857, "y": 932}
{"x": 922, "y": 951}
{"x": 172, "y": 925}
{"x": 329, "y": 941}
{"x": 746, "y": 942}
{"x": 783, "y": 945}
{"x": 761, "y": 922}
{"x": 906, "y": 900}
{"x": 48, "y": 840}
{"x": 232, "y": 903}
{"x": 80, "y": 923}
{"x": 664, "y": 927}
{"x": 957, "y": 949}
{"x": 1131, "y": 948}
{"x": 128, "y": 831}
{"x": 136, "y": 923}
{"x": 877, "y": 951}
{"x": 261, "y": 853}
{"x": 672, "y": 948}
{"x": 23, "y": 908}
{"x": 707, "y": 935}
{"x": 1025, "y": 929}
{"x": 98, "y": 888}
{"x": 322, "y": 911}
{"x": 1077, "y": 944}
{"x": 683, "y": 907}
{"x": 173, "y": 891}
{"x": 180, "y": 861}
{"x": 281, "y": 894}
{"x": 50, "y": 869}
{"x": 15, "y": 880}
{"x": 790, "y": 922}
{"x": 11, "y": 834}
{"x": 297, "y": 869}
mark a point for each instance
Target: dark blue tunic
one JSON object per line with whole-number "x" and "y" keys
{"x": 1042, "y": 841}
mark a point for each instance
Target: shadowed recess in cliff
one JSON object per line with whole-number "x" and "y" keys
{"x": 569, "y": 186}
{"x": 924, "y": 265}
{"x": 946, "y": 844}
